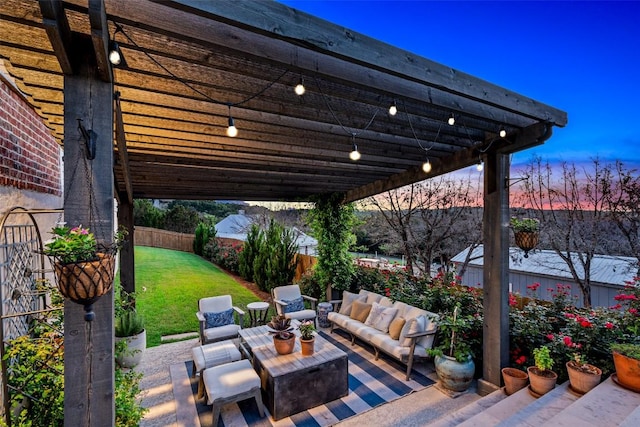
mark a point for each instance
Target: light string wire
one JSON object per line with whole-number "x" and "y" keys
{"x": 426, "y": 150}
{"x": 333, "y": 114}
{"x": 196, "y": 90}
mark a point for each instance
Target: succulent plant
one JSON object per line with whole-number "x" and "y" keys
{"x": 281, "y": 327}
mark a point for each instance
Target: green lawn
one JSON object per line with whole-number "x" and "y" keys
{"x": 169, "y": 285}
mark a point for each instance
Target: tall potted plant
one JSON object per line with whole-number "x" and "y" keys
{"x": 452, "y": 355}
{"x": 541, "y": 378}
{"x": 526, "y": 232}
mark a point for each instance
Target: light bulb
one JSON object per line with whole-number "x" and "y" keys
{"x": 426, "y": 166}
{"x": 502, "y": 133}
{"x": 479, "y": 167}
{"x": 393, "y": 109}
{"x": 354, "y": 154}
{"x": 452, "y": 120}
{"x": 232, "y": 131}
{"x": 300, "y": 89}
{"x": 114, "y": 55}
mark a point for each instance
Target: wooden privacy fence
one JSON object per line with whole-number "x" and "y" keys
{"x": 303, "y": 263}
{"x": 154, "y": 237}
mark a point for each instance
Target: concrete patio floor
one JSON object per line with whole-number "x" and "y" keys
{"x": 170, "y": 406}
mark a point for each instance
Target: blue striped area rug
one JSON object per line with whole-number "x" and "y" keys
{"x": 371, "y": 383}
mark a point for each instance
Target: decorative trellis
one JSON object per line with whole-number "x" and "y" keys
{"x": 22, "y": 272}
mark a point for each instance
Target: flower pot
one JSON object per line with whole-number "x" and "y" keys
{"x": 85, "y": 282}
{"x": 583, "y": 381}
{"x": 307, "y": 346}
{"x": 454, "y": 375}
{"x": 284, "y": 346}
{"x": 514, "y": 380}
{"x": 526, "y": 241}
{"x": 136, "y": 344}
{"x": 541, "y": 382}
{"x": 627, "y": 371}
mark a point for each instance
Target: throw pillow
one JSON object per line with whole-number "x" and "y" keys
{"x": 296, "y": 304}
{"x": 360, "y": 311}
{"x": 412, "y": 326}
{"x": 221, "y": 318}
{"x": 380, "y": 317}
{"x": 396, "y": 327}
{"x": 347, "y": 302}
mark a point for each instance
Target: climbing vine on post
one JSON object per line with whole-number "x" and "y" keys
{"x": 332, "y": 222}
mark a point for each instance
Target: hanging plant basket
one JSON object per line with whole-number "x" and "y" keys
{"x": 84, "y": 282}
{"x": 527, "y": 240}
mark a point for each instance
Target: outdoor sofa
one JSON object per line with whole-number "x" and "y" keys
{"x": 397, "y": 329}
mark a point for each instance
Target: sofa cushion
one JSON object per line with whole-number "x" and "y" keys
{"x": 380, "y": 317}
{"x": 390, "y": 346}
{"x": 396, "y": 327}
{"x": 371, "y": 296}
{"x": 412, "y": 326}
{"x": 360, "y": 311}
{"x": 385, "y": 302}
{"x": 402, "y": 308}
{"x": 347, "y": 302}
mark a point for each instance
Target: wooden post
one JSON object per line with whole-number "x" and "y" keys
{"x": 88, "y": 200}
{"x": 127, "y": 259}
{"x": 495, "y": 272}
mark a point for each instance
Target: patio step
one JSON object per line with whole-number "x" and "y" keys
{"x": 607, "y": 404}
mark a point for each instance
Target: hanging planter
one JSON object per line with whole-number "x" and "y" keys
{"x": 527, "y": 233}
{"x": 82, "y": 273}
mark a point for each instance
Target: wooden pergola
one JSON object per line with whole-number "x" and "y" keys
{"x": 161, "y": 123}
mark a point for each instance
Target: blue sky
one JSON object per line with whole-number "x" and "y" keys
{"x": 579, "y": 56}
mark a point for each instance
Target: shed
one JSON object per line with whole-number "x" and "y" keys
{"x": 608, "y": 274}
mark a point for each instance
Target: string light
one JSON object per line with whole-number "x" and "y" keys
{"x": 480, "y": 165}
{"x": 452, "y": 120}
{"x": 502, "y": 132}
{"x": 426, "y": 166}
{"x": 393, "y": 109}
{"x": 354, "y": 154}
{"x": 300, "y": 89}
{"x": 115, "y": 54}
{"x": 232, "y": 131}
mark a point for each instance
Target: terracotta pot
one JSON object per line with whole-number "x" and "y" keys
{"x": 284, "y": 346}
{"x": 85, "y": 282}
{"x": 307, "y": 346}
{"x": 627, "y": 371}
{"x": 541, "y": 382}
{"x": 514, "y": 380}
{"x": 582, "y": 382}
{"x": 454, "y": 375}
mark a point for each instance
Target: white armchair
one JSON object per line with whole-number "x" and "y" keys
{"x": 217, "y": 319}
{"x": 289, "y": 301}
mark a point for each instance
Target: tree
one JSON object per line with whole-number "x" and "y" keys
{"x": 181, "y": 219}
{"x": 433, "y": 219}
{"x": 573, "y": 210}
{"x": 623, "y": 201}
{"x": 147, "y": 215}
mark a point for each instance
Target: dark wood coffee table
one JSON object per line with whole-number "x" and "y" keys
{"x": 293, "y": 383}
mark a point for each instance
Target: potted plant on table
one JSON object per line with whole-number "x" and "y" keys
{"x": 84, "y": 270}
{"x": 283, "y": 339}
{"x": 307, "y": 337}
{"x": 453, "y": 356}
{"x": 582, "y": 375}
{"x": 541, "y": 378}
{"x": 526, "y": 232}
{"x": 626, "y": 358}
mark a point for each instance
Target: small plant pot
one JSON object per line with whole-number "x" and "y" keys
{"x": 307, "y": 346}
{"x": 582, "y": 382}
{"x": 541, "y": 382}
{"x": 284, "y": 346}
{"x": 514, "y": 380}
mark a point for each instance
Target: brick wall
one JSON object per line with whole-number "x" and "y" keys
{"x": 29, "y": 155}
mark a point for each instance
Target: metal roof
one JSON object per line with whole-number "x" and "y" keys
{"x": 605, "y": 269}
